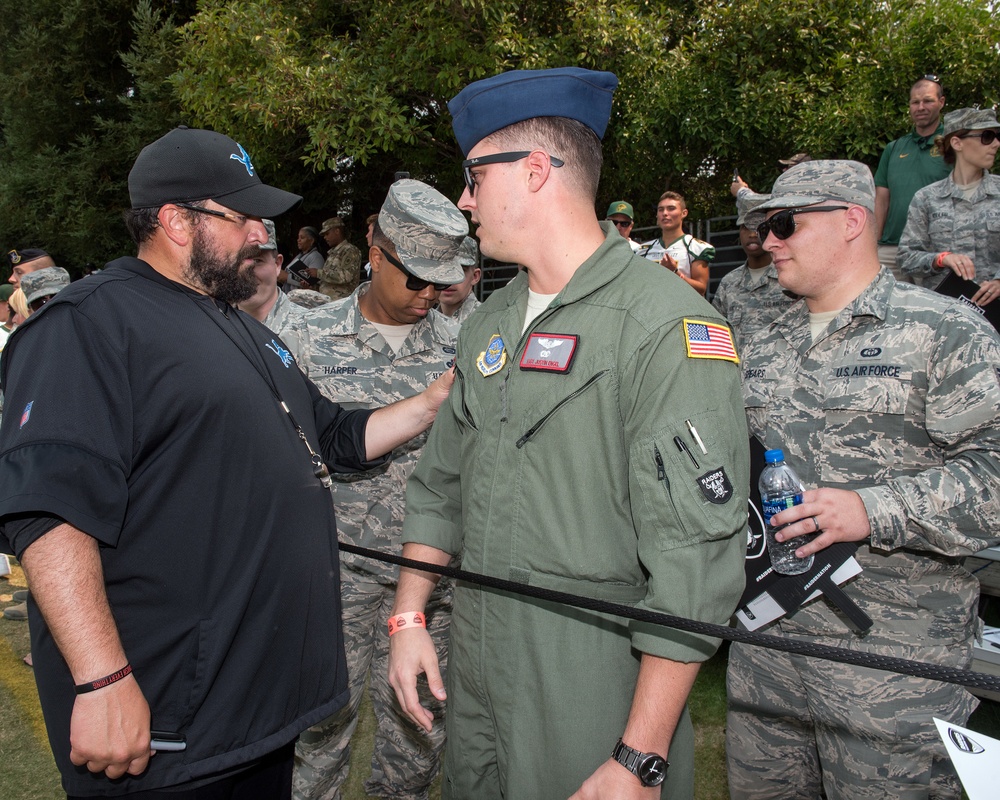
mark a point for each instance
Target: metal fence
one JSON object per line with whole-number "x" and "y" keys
{"x": 720, "y": 232}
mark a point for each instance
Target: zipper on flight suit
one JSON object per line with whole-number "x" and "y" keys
{"x": 661, "y": 476}
{"x": 534, "y": 428}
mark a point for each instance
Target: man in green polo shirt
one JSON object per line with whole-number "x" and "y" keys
{"x": 908, "y": 164}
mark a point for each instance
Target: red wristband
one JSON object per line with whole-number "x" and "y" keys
{"x": 107, "y": 680}
{"x": 410, "y": 619}
{"x": 939, "y": 261}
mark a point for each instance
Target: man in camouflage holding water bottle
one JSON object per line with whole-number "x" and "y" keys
{"x": 885, "y": 398}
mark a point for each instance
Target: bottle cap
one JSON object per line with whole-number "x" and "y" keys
{"x": 774, "y": 456}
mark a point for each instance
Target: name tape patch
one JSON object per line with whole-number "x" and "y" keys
{"x": 550, "y": 352}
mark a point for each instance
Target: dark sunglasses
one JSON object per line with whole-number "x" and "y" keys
{"x": 986, "y": 137}
{"x": 782, "y": 224}
{"x": 621, "y": 223}
{"x": 497, "y": 158}
{"x": 929, "y": 77}
{"x": 413, "y": 283}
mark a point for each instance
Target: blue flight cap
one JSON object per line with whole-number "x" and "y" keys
{"x": 486, "y": 106}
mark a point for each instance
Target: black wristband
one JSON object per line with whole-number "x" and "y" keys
{"x": 107, "y": 680}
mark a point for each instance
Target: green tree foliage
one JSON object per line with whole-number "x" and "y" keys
{"x": 82, "y": 87}
{"x": 758, "y": 80}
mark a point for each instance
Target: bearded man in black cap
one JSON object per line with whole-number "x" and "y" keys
{"x": 165, "y": 456}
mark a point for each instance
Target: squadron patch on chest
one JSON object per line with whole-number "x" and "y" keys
{"x": 550, "y": 352}
{"x": 493, "y": 358}
{"x": 715, "y": 486}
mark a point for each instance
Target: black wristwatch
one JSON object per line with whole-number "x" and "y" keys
{"x": 649, "y": 768}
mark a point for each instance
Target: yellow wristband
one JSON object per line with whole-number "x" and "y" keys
{"x": 410, "y": 619}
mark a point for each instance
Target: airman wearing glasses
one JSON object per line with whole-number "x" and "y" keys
{"x": 954, "y": 224}
{"x": 907, "y": 165}
{"x": 886, "y": 401}
{"x": 382, "y": 343}
{"x": 559, "y": 461}
{"x": 621, "y": 215}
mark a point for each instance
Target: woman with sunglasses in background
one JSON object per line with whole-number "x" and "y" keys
{"x": 955, "y": 223}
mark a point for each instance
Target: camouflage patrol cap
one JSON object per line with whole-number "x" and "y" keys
{"x": 621, "y": 207}
{"x": 272, "y": 238}
{"x": 330, "y": 224}
{"x": 307, "y": 298}
{"x": 970, "y": 119}
{"x": 746, "y": 203}
{"x": 468, "y": 253}
{"x": 43, "y": 282}
{"x": 817, "y": 181}
{"x": 427, "y": 230}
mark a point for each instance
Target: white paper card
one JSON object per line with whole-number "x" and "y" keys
{"x": 975, "y": 757}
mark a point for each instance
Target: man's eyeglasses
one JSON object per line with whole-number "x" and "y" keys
{"x": 239, "y": 219}
{"x": 986, "y": 137}
{"x": 621, "y": 223}
{"x": 413, "y": 283}
{"x": 782, "y": 224}
{"x": 497, "y": 158}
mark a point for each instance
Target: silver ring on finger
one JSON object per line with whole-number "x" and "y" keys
{"x": 816, "y": 523}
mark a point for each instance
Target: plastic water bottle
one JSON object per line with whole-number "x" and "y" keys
{"x": 780, "y": 488}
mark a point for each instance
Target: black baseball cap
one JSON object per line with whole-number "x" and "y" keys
{"x": 188, "y": 164}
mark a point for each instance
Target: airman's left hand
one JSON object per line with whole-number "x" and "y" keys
{"x": 838, "y": 514}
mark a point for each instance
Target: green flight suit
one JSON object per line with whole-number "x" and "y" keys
{"x": 572, "y": 481}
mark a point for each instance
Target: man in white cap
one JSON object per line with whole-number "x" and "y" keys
{"x": 555, "y": 463}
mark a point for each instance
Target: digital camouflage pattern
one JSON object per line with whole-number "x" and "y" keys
{"x": 282, "y": 315}
{"x": 307, "y": 298}
{"x": 750, "y": 302}
{"x": 942, "y": 219}
{"x": 899, "y": 400}
{"x": 971, "y": 119}
{"x": 351, "y": 363}
{"x": 406, "y": 759}
{"x": 340, "y": 272}
{"x": 464, "y": 311}
{"x": 427, "y": 230}
{"x": 813, "y": 182}
{"x": 42, "y": 282}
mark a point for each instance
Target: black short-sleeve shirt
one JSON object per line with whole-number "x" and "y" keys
{"x": 147, "y": 416}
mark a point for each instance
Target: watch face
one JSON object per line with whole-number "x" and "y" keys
{"x": 652, "y": 771}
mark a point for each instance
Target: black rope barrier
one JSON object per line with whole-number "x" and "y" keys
{"x": 917, "y": 669}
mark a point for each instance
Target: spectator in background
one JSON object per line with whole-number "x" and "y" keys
{"x": 269, "y": 304}
{"x": 908, "y": 164}
{"x": 458, "y": 300}
{"x": 621, "y": 215}
{"x": 24, "y": 261}
{"x": 955, "y": 223}
{"x": 338, "y": 276}
{"x": 302, "y": 271}
{"x": 39, "y": 286}
{"x": 750, "y": 296}
{"x": 19, "y": 306}
{"x": 681, "y": 253}
{"x": 366, "y": 270}
{"x": 383, "y": 343}
{"x": 6, "y": 313}
{"x": 739, "y": 186}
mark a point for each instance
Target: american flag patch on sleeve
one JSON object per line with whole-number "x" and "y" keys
{"x": 709, "y": 340}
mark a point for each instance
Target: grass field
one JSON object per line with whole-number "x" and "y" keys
{"x": 27, "y": 771}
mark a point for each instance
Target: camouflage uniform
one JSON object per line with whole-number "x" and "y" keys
{"x": 348, "y": 359}
{"x": 307, "y": 298}
{"x": 750, "y": 302}
{"x": 940, "y": 219}
{"x": 283, "y": 314}
{"x": 898, "y": 400}
{"x": 340, "y": 272}
{"x": 464, "y": 311}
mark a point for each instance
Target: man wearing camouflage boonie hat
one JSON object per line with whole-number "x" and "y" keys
{"x": 383, "y": 342}
{"x": 750, "y": 296}
{"x": 884, "y": 398}
{"x": 40, "y": 285}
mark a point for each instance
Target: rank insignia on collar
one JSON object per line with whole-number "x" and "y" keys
{"x": 550, "y": 352}
{"x": 493, "y": 358}
{"x": 715, "y": 486}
